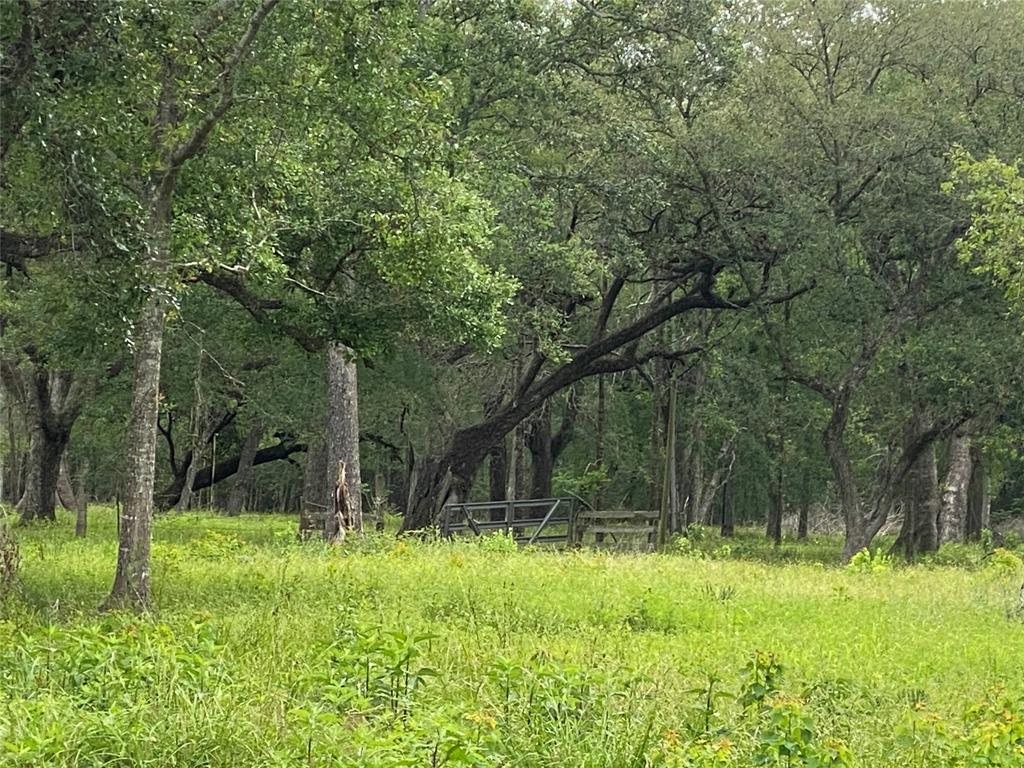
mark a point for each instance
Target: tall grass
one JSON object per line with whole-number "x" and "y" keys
{"x": 265, "y": 652}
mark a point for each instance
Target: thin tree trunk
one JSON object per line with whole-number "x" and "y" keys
{"x": 728, "y": 513}
{"x": 599, "y": 438}
{"x": 82, "y": 505}
{"x": 497, "y": 471}
{"x": 343, "y": 438}
{"x": 667, "y": 510}
{"x": 243, "y": 479}
{"x": 696, "y": 502}
{"x": 955, "y": 488}
{"x": 776, "y": 508}
{"x": 131, "y": 587}
{"x": 72, "y": 499}
{"x": 801, "y": 529}
{"x": 187, "y": 493}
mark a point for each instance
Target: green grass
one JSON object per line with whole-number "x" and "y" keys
{"x": 265, "y": 652}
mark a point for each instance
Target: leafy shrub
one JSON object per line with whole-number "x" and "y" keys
{"x": 866, "y": 562}
{"x": 991, "y": 733}
{"x": 1004, "y": 561}
{"x": 687, "y": 547}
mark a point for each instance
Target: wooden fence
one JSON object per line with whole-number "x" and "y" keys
{"x": 616, "y": 529}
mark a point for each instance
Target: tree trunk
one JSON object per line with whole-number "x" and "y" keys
{"x": 668, "y": 509}
{"x": 243, "y": 479}
{"x": 46, "y": 448}
{"x": 131, "y": 581}
{"x": 696, "y": 502}
{"x": 861, "y": 521}
{"x": 82, "y": 506}
{"x": 978, "y": 501}
{"x": 497, "y": 474}
{"x": 776, "y": 507}
{"x": 954, "y": 489}
{"x": 72, "y": 499}
{"x": 773, "y": 524}
{"x": 343, "y": 439}
{"x": 801, "y": 530}
{"x": 919, "y": 533}
{"x": 187, "y": 492}
{"x": 599, "y": 438}
{"x": 542, "y": 460}
{"x": 52, "y": 401}
{"x": 728, "y": 513}
{"x": 313, "y": 507}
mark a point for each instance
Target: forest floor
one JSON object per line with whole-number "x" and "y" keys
{"x": 265, "y": 652}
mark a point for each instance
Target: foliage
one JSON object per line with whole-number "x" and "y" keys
{"x": 867, "y": 561}
{"x": 994, "y": 242}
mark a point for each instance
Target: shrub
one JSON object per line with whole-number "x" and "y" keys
{"x": 866, "y": 562}
{"x": 1004, "y": 561}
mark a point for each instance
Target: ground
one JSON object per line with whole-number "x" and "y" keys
{"x": 262, "y": 651}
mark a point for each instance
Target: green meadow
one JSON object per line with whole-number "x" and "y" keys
{"x": 263, "y": 651}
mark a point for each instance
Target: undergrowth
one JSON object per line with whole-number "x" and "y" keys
{"x": 265, "y": 652}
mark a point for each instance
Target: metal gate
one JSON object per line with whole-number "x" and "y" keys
{"x": 528, "y": 521}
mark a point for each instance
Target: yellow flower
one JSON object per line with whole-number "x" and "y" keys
{"x": 482, "y": 718}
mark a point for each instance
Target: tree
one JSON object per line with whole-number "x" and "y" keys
{"x": 993, "y": 244}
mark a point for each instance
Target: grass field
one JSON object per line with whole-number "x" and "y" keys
{"x": 266, "y": 652}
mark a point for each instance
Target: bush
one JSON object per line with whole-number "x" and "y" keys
{"x": 866, "y": 562}
{"x": 1004, "y": 561}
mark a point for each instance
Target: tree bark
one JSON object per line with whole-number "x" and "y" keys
{"x": 546, "y": 446}
{"x": 497, "y": 466}
{"x": 728, "y": 513}
{"x": 720, "y": 475}
{"x": 187, "y": 487}
{"x": 776, "y": 508}
{"x": 978, "y": 501}
{"x": 602, "y": 398}
{"x": 73, "y": 499}
{"x": 801, "y": 530}
{"x": 52, "y": 402}
{"x": 243, "y": 478}
{"x": 919, "y": 533}
{"x": 343, "y": 439}
{"x": 46, "y": 447}
{"x": 955, "y": 488}
{"x": 131, "y": 587}
{"x": 82, "y": 505}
